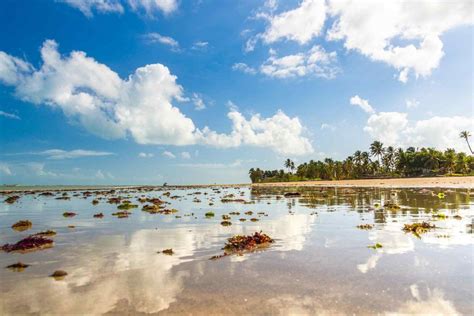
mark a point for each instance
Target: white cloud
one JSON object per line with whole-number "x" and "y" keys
{"x": 168, "y": 154}
{"x": 12, "y": 69}
{"x": 326, "y": 126}
{"x": 279, "y": 132}
{"x": 198, "y": 102}
{"x": 9, "y": 115}
{"x": 102, "y": 176}
{"x": 151, "y": 6}
{"x": 412, "y": 103}
{"x": 362, "y": 103}
{"x": 404, "y": 34}
{"x": 300, "y": 24}
{"x": 315, "y": 62}
{"x": 185, "y": 155}
{"x": 200, "y": 45}
{"x": 58, "y": 154}
{"x": 145, "y": 155}
{"x": 140, "y": 107}
{"x": 39, "y": 170}
{"x": 165, "y": 40}
{"x": 387, "y": 127}
{"x": 374, "y": 29}
{"x": 243, "y": 67}
{"x": 5, "y": 169}
{"x": 395, "y": 129}
{"x": 88, "y": 6}
{"x": 77, "y": 153}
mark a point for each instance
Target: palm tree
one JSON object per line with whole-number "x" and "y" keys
{"x": 466, "y": 135}
{"x": 376, "y": 149}
{"x": 288, "y": 164}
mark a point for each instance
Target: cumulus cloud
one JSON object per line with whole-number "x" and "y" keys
{"x": 243, "y": 67}
{"x": 149, "y": 7}
{"x": 404, "y": 34}
{"x": 395, "y": 129}
{"x": 315, "y": 62}
{"x": 165, "y": 40}
{"x": 300, "y": 24}
{"x": 374, "y": 29}
{"x": 387, "y": 127}
{"x": 145, "y": 155}
{"x": 9, "y": 115}
{"x": 140, "y": 106}
{"x": 279, "y": 132}
{"x": 362, "y": 103}
{"x": 88, "y": 6}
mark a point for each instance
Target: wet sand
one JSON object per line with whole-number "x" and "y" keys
{"x": 432, "y": 182}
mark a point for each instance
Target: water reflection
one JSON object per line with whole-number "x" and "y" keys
{"x": 113, "y": 264}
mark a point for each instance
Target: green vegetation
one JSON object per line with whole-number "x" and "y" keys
{"x": 379, "y": 162}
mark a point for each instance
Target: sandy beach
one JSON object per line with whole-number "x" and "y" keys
{"x": 433, "y": 182}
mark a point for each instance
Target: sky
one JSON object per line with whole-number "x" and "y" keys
{"x": 200, "y": 91}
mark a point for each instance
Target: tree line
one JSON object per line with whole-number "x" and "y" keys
{"x": 378, "y": 162}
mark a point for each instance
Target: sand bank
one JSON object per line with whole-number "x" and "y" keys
{"x": 434, "y": 182}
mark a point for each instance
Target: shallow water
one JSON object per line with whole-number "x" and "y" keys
{"x": 319, "y": 263}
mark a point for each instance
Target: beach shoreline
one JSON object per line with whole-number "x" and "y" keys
{"x": 429, "y": 182}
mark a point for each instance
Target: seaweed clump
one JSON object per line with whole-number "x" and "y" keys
{"x": 209, "y": 214}
{"x": 45, "y": 233}
{"x": 30, "y": 243}
{"x": 18, "y": 267}
{"x": 69, "y": 214}
{"x": 418, "y": 228}
{"x": 58, "y": 275}
{"x": 376, "y": 246}
{"x": 239, "y": 244}
{"x": 365, "y": 226}
{"x": 12, "y": 199}
{"x": 22, "y": 225}
{"x": 99, "y": 215}
{"x": 126, "y": 206}
{"x": 168, "y": 252}
{"x": 122, "y": 214}
{"x": 226, "y": 223}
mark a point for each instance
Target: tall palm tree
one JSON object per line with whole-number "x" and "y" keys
{"x": 376, "y": 149}
{"x": 288, "y": 164}
{"x": 466, "y": 135}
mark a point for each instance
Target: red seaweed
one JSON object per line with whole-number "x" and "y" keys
{"x": 30, "y": 243}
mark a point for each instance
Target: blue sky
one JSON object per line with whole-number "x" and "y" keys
{"x": 143, "y": 92}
